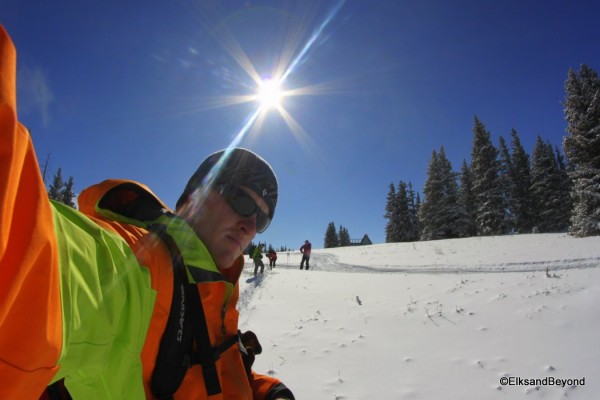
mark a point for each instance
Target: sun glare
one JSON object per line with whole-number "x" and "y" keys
{"x": 269, "y": 94}
{"x": 267, "y": 91}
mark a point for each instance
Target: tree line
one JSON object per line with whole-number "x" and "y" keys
{"x": 59, "y": 190}
{"x": 505, "y": 190}
{"x": 266, "y": 248}
{"x": 336, "y": 238}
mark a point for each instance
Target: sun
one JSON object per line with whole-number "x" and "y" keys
{"x": 270, "y": 94}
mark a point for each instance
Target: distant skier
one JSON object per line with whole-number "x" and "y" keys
{"x": 272, "y": 256}
{"x": 257, "y": 257}
{"x": 305, "y": 250}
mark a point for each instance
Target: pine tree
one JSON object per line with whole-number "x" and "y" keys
{"x": 56, "y": 188}
{"x": 565, "y": 202}
{"x": 450, "y": 209}
{"x": 392, "y": 233}
{"x": 413, "y": 210}
{"x": 67, "y": 195}
{"x": 541, "y": 166}
{"x": 486, "y": 184}
{"x": 60, "y": 190}
{"x": 467, "y": 226}
{"x": 402, "y": 214}
{"x": 520, "y": 174}
{"x": 418, "y": 226}
{"x": 506, "y": 186}
{"x": 405, "y": 228}
{"x": 429, "y": 215}
{"x": 582, "y": 148}
{"x": 331, "y": 238}
{"x": 343, "y": 237}
{"x": 548, "y": 189}
{"x": 439, "y": 213}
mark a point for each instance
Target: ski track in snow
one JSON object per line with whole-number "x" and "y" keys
{"x": 330, "y": 262}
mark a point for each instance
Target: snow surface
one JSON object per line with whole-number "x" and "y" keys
{"x": 441, "y": 319}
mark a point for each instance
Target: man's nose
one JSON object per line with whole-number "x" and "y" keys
{"x": 248, "y": 224}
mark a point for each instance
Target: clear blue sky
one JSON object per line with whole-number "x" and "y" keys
{"x": 135, "y": 89}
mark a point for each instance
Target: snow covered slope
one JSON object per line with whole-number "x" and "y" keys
{"x": 447, "y": 319}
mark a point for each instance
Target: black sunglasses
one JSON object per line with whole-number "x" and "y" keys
{"x": 243, "y": 204}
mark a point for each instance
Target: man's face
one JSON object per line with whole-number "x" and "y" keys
{"x": 224, "y": 232}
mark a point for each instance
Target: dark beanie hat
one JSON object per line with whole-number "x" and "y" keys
{"x": 237, "y": 167}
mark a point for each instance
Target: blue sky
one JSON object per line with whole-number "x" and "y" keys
{"x": 136, "y": 90}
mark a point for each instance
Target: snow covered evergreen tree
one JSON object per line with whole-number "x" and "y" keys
{"x": 392, "y": 229}
{"x": 418, "y": 204}
{"x": 451, "y": 210}
{"x": 403, "y": 214}
{"x": 565, "y": 202}
{"x": 520, "y": 174}
{"x": 489, "y": 207}
{"x": 506, "y": 186}
{"x": 467, "y": 226}
{"x": 429, "y": 214}
{"x": 547, "y": 187}
{"x": 582, "y": 148}
{"x": 331, "y": 237}
{"x": 413, "y": 209}
{"x": 439, "y": 213}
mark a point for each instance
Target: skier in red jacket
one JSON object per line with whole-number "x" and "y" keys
{"x": 305, "y": 250}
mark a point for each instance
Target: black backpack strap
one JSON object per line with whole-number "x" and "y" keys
{"x": 56, "y": 391}
{"x": 173, "y": 358}
{"x": 207, "y": 356}
{"x": 186, "y": 323}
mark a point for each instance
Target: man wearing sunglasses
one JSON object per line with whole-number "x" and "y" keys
{"x": 242, "y": 188}
{"x": 124, "y": 298}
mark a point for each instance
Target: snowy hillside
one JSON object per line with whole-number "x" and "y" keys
{"x": 433, "y": 320}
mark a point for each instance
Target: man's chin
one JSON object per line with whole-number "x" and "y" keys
{"x": 228, "y": 250}
{"x": 227, "y": 259}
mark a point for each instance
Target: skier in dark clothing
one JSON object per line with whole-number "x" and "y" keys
{"x": 272, "y": 256}
{"x": 257, "y": 257}
{"x": 305, "y": 250}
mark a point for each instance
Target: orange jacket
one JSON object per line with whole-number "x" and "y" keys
{"x": 29, "y": 275}
{"x": 219, "y": 300}
{"x": 86, "y": 297}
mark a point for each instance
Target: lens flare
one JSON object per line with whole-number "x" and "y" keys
{"x": 269, "y": 94}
